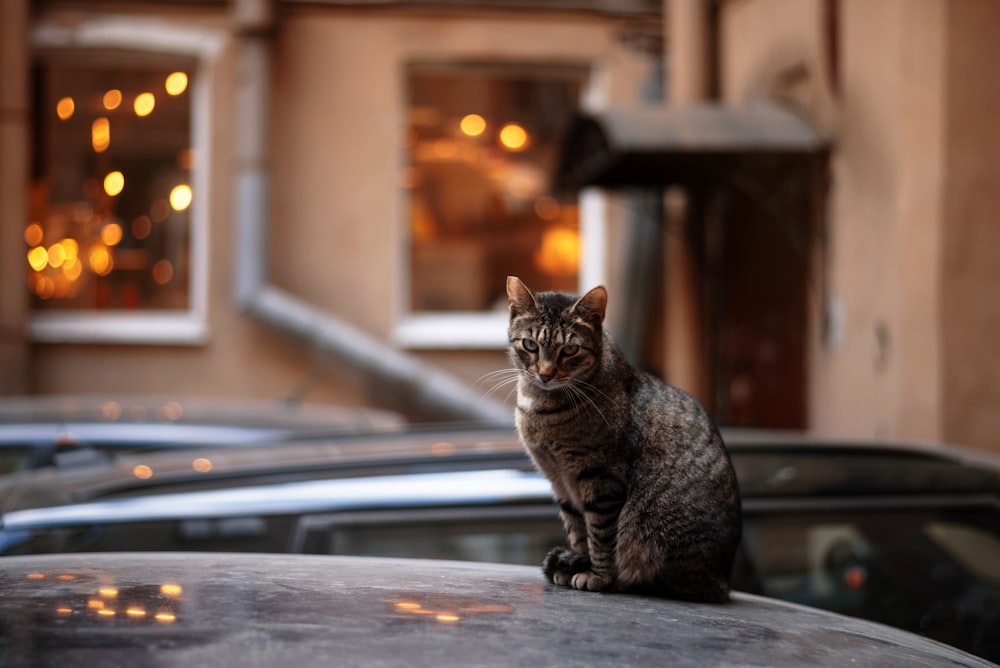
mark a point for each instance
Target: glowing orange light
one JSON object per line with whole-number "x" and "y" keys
{"x": 135, "y": 612}
{"x": 72, "y": 269}
{"x": 95, "y": 604}
{"x": 180, "y": 197}
{"x": 202, "y": 465}
{"x": 144, "y": 104}
{"x": 38, "y": 257}
{"x": 472, "y": 125}
{"x": 100, "y": 260}
{"x": 44, "y": 287}
{"x": 166, "y": 617}
{"x": 71, "y": 248}
{"x": 559, "y": 252}
{"x": 142, "y": 472}
{"x": 108, "y": 592}
{"x": 65, "y": 578}
{"x": 408, "y": 605}
{"x": 176, "y": 83}
{"x": 114, "y": 183}
{"x": 100, "y": 135}
{"x": 112, "y": 99}
{"x": 513, "y": 137}
{"x": 33, "y": 234}
{"x": 447, "y": 618}
{"x": 36, "y": 576}
{"x": 111, "y": 234}
{"x": 65, "y": 108}
{"x": 106, "y": 612}
{"x": 172, "y": 590}
{"x": 445, "y": 148}
{"x": 57, "y": 255}
{"x": 64, "y": 610}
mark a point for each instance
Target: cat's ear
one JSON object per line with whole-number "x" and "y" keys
{"x": 593, "y": 304}
{"x": 519, "y": 297}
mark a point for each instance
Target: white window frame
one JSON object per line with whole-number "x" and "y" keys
{"x": 153, "y": 35}
{"x": 487, "y": 330}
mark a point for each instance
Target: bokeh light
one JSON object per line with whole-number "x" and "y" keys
{"x": 100, "y": 134}
{"x": 144, "y": 104}
{"x": 180, "y": 197}
{"x": 513, "y": 137}
{"x": 112, "y": 99}
{"x": 65, "y": 108}
{"x": 472, "y": 125}
{"x": 114, "y": 183}
{"x": 176, "y": 83}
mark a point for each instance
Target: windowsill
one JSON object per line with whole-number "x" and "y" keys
{"x": 477, "y": 331}
{"x": 153, "y": 328}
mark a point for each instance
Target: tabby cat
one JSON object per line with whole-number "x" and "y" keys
{"x": 641, "y": 477}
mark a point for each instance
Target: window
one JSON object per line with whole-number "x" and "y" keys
{"x": 115, "y": 240}
{"x": 482, "y": 143}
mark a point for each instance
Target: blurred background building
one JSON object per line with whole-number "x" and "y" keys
{"x": 321, "y": 200}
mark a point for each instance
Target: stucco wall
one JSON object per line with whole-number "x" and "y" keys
{"x": 875, "y": 361}
{"x": 971, "y": 255}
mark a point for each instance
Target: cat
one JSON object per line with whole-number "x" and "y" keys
{"x": 643, "y": 482}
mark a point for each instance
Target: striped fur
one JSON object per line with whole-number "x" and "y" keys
{"x": 639, "y": 472}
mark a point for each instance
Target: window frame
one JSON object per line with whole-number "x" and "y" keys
{"x": 487, "y": 330}
{"x": 154, "y": 36}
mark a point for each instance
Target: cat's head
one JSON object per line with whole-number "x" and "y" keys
{"x": 555, "y": 337}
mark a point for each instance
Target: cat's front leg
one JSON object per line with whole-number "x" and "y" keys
{"x": 561, "y": 563}
{"x": 602, "y": 504}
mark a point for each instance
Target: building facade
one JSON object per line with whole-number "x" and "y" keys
{"x": 327, "y": 207}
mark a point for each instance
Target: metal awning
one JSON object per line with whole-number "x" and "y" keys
{"x": 660, "y": 146}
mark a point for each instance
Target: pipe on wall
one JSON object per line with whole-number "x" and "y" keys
{"x": 405, "y": 382}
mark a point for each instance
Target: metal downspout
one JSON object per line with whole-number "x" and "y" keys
{"x": 408, "y": 383}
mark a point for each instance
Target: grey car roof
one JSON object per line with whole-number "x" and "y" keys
{"x": 174, "y": 609}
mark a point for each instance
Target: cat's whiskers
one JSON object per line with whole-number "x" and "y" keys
{"x": 500, "y": 378}
{"x": 580, "y": 392}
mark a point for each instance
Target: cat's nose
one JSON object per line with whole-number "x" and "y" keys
{"x": 546, "y": 373}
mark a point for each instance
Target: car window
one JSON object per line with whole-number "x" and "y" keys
{"x": 517, "y": 536}
{"x": 928, "y": 570}
{"x": 973, "y": 548}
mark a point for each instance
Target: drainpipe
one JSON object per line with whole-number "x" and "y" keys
{"x": 14, "y": 68}
{"x": 405, "y": 382}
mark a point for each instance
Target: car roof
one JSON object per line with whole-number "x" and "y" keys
{"x": 142, "y": 609}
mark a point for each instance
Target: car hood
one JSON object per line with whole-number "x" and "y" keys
{"x": 172, "y": 609}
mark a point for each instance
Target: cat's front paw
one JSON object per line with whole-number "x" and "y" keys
{"x": 590, "y": 581}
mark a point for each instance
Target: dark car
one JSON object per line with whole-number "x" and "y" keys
{"x": 268, "y": 610}
{"x": 39, "y": 432}
{"x": 905, "y": 535}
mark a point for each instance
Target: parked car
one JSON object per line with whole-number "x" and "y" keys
{"x": 272, "y": 610}
{"x": 905, "y": 535}
{"x": 39, "y": 432}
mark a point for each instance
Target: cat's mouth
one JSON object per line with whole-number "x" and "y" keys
{"x": 548, "y": 384}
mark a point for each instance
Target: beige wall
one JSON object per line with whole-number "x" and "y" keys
{"x": 970, "y": 289}
{"x": 337, "y": 218}
{"x": 911, "y": 260}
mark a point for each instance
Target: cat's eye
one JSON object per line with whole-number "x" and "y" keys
{"x": 530, "y": 345}
{"x": 569, "y": 350}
